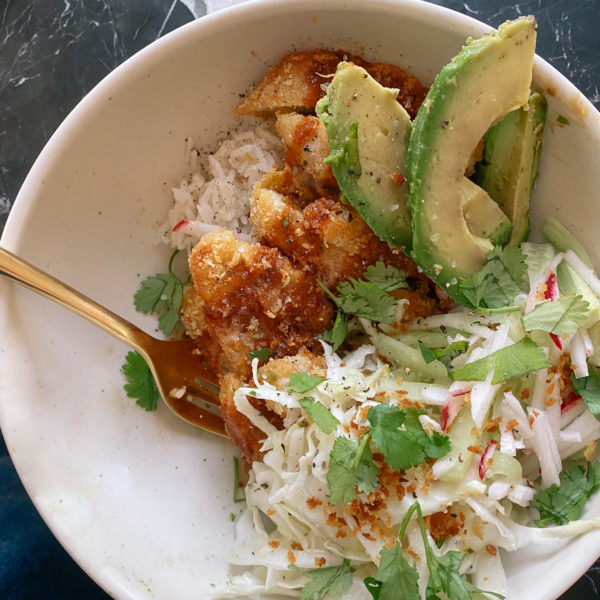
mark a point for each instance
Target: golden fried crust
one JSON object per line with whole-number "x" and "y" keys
{"x": 191, "y": 314}
{"x": 327, "y": 236}
{"x": 295, "y": 83}
{"x": 277, "y": 372}
{"x": 306, "y": 145}
{"x": 253, "y": 297}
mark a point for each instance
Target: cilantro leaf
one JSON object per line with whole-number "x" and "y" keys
{"x": 351, "y": 466}
{"x": 161, "y": 293}
{"x": 303, "y": 382}
{"x": 337, "y": 334}
{"x": 387, "y": 277}
{"x": 140, "y": 382}
{"x": 401, "y": 438}
{"x": 561, "y": 316}
{"x": 326, "y": 582}
{"x": 320, "y": 414}
{"x": 261, "y": 354}
{"x": 444, "y": 355}
{"x": 517, "y": 359}
{"x": 589, "y": 389}
{"x": 562, "y": 504}
{"x": 364, "y": 299}
{"x": 444, "y": 577}
{"x": 394, "y": 575}
{"x": 497, "y": 283}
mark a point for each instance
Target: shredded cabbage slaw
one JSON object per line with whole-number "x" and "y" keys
{"x": 508, "y": 440}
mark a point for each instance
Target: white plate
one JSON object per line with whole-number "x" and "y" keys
{"x": 143, "y": 501}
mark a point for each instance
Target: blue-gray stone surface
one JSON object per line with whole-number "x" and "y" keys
{"x": 51, "y": 54}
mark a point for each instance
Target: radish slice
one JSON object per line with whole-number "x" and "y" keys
{"x": 486, "y": 458}
{"x": 551, "y": 292}
{"x": 451, "y": 409}
{"x": 557, "y": 341}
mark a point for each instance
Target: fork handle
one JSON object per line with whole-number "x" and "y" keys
{"x": 38, "y": 281}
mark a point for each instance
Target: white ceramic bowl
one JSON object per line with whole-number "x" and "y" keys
{"x": 143, "y": 501}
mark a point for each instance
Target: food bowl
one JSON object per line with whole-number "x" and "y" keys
{"x": 142, "y": 501}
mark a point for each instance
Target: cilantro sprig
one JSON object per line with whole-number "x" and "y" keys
{"x": 395, "y": 573}
{"x": 351, "y": 467}
{"x": 494, "y": 287}
{"x": 559, "y": 505}
{"x": 140, "y": 382}
{"x": 337, "y": 334}
{"x": 520, "y": 358}
{"x": 161, "y": 293}
{"x": 326, "y": 582}
{"x": 387, "y": 277}
{"x": 559, "y": 317}
{"x": 401, "y": 438}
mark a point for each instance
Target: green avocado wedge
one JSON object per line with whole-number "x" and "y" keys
{"x": 490, "y": 77}
{"x": 510, "y": 163}
{"x": 368, "y": 133}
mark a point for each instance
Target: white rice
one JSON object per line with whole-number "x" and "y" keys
{"x": 217, "y": 192}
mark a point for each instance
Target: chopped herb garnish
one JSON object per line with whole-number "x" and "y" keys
{"x": 261, "y": 354}
{"x": 303, "y": 382}
{"x": 497, "y": 283}
{"x": 387, "y": 277}
{"x": 326, "y": 582}
{"x": 517, "y": 359}
{"x": 236, "y": 481}
{"x": 351, "y": 466}
{"x": 559, "y": 505}
{"x": 563, "y": 120}
{"x": 401, "y": 438}
{"x": 364, "y": 299}
{"x": 161, "y": 293}
{"x": 140, "y": 382}
{"x": 444, "y": 355}
{"x": 320, "y": 414}
{"x": 589, "y": 389}
{"x": 337, "y": 334}
{"x": 561, "y": 316}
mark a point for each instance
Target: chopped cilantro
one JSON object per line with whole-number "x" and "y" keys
{"x": 236, "y": 481}
{"x": 559, "y": 505}
{"x": 326, "y": 582}
{"x": 161, "y": 293}
{"x": 337, "y": 334}
{"x": 320, "y": 414}
{"x": 444, "y": 571}
{"x": 285, "y": 222}
{"x": 563, "y": 120}
{"x": 589, "y": 389}
{"x": 561, "y": 316}
{"x": 303, "y": 382}
{"x": 351, "y": 466}
{"x": 394, "y": 574}
{"x": 497, "y": 283}
{"x": 140, "y": 382}
{"x": 517, "y": 359}
{"x": 387, "y": 277}
{"x": 261, "y": 354}
{"x": 401, "y": 438}
{"x": 444, "y": 355}
{"x": 364, "y": 299}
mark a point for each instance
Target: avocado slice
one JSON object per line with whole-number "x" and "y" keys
{"x": 484, "y": 217}
{"x": 510, "y": 163}
{"x": 490, "y": 77}
{"x": 368, "y": 132}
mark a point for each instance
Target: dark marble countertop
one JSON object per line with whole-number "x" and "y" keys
{"x": 51, "y": 54}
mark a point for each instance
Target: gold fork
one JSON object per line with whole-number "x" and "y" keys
{"x": 183, "y": 380}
